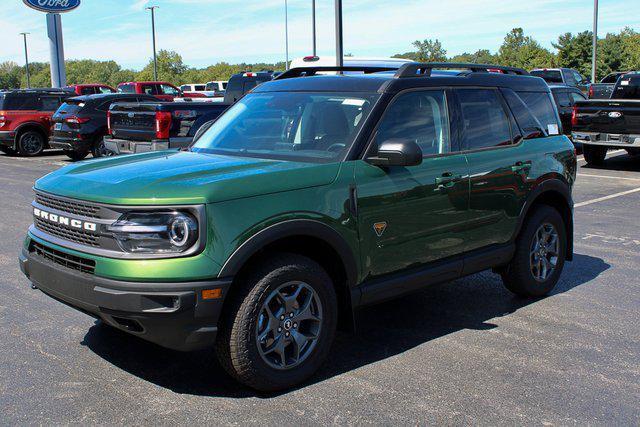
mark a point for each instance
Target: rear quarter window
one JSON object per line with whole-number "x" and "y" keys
{"x": 542, "y": 108}
{"x": 126, "y": 89}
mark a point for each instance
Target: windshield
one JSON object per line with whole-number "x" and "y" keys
{"x": 550, "y": 76}
{"x": 310, "y": 127}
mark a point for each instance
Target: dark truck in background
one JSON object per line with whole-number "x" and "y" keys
{"x": 604, "y": 89}
{"x": 614, "y": 123}
{"x": 141, "y": 127}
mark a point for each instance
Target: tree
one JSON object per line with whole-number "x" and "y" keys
{"x": 430, "y": 51}
{"x": 575, "y": 51}
{"x": 170, "y": 67}
{"x": 10, "y": 75}
{"x": 482, "y": 56}
{"x": 522, "y": 51}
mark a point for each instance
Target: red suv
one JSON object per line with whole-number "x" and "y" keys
{"x": 25, "y": 119}
{"x": 161, "y": 90}
{"x": 90, "y": 89}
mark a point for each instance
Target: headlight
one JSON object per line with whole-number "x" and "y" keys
{"x": 155, "y": 232}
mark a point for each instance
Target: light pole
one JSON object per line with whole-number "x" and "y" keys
{"x": 313, "y": 26}
{"x": 26, "y": 59}
{"x": 286, "y": 35}
{"x": 595, "y": 41}
{"x": 153, "y": 35}
{"x": 339, "y": 45}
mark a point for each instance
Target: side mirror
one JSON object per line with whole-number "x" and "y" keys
{"x": 397, "y": 152}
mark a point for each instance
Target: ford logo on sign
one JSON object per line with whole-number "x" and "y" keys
{"x": 52, "y": 6}
{"x": 615, "y": 114}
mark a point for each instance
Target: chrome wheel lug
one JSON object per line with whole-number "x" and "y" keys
{"x": 279, "y": 329}
{"x": 282, "y": 317}
{"x": 287, "y": 334}
{"x": 295, "y": 325}
{"x": 291, "y": 314}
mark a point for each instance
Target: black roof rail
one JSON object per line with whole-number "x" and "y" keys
{"x": 417, "y": 69}
{"x": 312, "y": 71}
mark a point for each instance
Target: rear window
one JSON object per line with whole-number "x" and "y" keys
{"x": 611, "y": 78}
{"x": 550, "y": 76}
{"x": 71, "y": 107}
{"x": 627, "y": 88}
{"x": 19, "y": 102}
{"x": 540, "y": 105}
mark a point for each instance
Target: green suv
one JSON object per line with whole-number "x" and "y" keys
{"x": 318, "y": 193}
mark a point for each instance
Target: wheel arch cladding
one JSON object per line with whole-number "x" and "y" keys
{"x": 309, "y": 238}
{"x": 31, "y": 126}
{"x": 557, "y": 194}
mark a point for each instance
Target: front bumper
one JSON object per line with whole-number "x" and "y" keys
{"x": 173, "y": 315}
{"x": 607, "y": 139}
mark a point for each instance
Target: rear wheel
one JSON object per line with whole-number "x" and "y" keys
{"x": 594, "y": 155}
{"x": 31, "y": 143}
{"x": 540, "y": 254}
{"x": 279, "y": 326}
{"x": 76, "y": 155}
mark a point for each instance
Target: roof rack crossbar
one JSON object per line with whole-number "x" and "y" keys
{"x": 312, "y": 71}
{"x": 417, "y": 69}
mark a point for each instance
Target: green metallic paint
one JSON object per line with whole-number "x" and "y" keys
{"x": 244, "y": 196}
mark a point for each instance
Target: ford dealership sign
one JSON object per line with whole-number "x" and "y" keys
{"x": 52, "y": 6}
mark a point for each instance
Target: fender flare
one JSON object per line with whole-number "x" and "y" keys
{"x": 37, "y": 125}
{"x": 296, "y": 227}
{"x": 550, "y": 185}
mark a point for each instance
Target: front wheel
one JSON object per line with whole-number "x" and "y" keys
{"x": 594, "y": 155}
{"x": 541, "y": 250}
{"x": 279, "y": 325}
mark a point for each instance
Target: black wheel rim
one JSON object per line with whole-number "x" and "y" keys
{"x": 289, "y": 325}
{"x": 31, "y": 143}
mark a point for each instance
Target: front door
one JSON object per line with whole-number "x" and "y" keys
{"x": 409, "y": 216}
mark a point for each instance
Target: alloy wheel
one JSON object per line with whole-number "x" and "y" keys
{"x": 289, "y": 325}
{"x": 544, "y": 252}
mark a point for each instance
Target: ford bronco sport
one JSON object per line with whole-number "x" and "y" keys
{"x": 314, "y": 195}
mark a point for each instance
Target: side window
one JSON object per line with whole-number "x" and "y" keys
{"x": 88, "y": 90}
{"x": 579, "y": 77}
{"x": 126, "y": 89}
{"x": 103, "y": 89}
{"x": 421, "y": 117}
{"x": 540, "y": 105}
{"x": 49, "y": 103}
{"x": 569, "y": 78}
{"x": 169, "y": 90}
{"x": 149, "y": 89}
{"x": 577, "y": 96}
{"x": 485, "y": 122}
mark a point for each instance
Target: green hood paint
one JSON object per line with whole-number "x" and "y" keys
{"x": 182, "y": 178}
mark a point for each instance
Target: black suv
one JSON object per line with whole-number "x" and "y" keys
{"x": 80, "y": 124}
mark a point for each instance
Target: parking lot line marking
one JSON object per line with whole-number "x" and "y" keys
{"x": 610, "y": 196}
{"x": 608, "y": 177}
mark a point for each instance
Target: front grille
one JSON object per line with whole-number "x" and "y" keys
{"x": 70, "y": 206}
{"x": 78, "y": 236}
{"x": 61, "y": 258}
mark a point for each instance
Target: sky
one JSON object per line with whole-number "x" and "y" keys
{"x": 208, "y": 31}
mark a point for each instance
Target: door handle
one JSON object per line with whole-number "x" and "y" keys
{"x": 520, "y": 166}
{"x": 447, "y": 180}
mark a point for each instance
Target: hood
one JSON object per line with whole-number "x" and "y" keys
{"x": 182, "y": 178}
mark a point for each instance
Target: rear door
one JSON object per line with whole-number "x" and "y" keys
{"x": 410, "y": 216}
{"x": 498, "y": 167}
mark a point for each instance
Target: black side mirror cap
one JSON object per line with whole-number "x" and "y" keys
{"x": 397, "y": 152}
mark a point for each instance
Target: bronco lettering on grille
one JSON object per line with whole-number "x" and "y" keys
{"x": 63, "y": 220}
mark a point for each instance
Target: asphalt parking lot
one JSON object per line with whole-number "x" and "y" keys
{"x": 466, "y": 352}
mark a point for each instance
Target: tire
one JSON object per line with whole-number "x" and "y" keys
{"x": 237, "y": 346}
{"x": 98, "y": 149}
{"x": 31, "y": 143}
{"x": 520, "y": 275}
{"x": 76, "y": 155}
{"x": 594, "y": 155}
{"x": 8, "y": 151}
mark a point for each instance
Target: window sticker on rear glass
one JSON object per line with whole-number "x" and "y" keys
{"x": 553, "y": 129}
{"x": 625, "y": 82}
